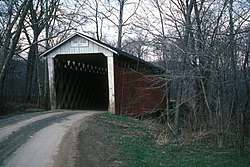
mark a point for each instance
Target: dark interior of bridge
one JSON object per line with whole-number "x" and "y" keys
{"x": 81, "y": 82}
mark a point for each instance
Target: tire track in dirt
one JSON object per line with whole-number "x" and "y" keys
{"x": 16, "y": 139}
{"x": 10, "y": 129}
{"x": 45, "y": 154}
{"x": 18, "y": 118}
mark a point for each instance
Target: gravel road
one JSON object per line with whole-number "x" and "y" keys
{"x": 41, "y": 139}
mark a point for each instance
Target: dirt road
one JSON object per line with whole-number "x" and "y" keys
{"x": 41, "y": 139}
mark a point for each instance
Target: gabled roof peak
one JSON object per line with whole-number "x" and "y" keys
{"x": 104, "y": 45}
{"x": 83, "y": 36}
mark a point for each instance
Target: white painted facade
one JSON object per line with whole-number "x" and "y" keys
{"x": 80, "y": 44}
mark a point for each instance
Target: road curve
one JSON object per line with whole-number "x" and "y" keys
{"x": 41, "y": 140}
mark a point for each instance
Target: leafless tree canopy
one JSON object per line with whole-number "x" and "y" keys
{"x": 203, "y": 45}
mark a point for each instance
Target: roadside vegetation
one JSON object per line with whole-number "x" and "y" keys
{"x": 145, "y": 143}
{"x": 18, "y": 109}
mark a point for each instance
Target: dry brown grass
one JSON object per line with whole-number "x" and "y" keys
{"x": 165, "y": 134}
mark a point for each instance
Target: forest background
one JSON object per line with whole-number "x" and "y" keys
{"x": 203, "y": 45}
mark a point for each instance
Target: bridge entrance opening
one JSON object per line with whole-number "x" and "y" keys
{"x": 81, "y": 82}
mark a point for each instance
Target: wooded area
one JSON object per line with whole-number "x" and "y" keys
{"x": 203, "y": 45}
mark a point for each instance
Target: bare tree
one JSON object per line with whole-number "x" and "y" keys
{"x": 111, "y": 13}
{"x": 39, "y": 17}
{"x": 204, "y": 38}
{"x": 11, "y": 31}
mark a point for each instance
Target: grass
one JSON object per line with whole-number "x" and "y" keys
{"x": 137, "y": 144}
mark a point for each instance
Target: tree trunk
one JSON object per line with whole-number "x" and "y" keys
{"x": 40, "y": 94}
{"x": 46, "y": 79}
{"x": 177, "y": 110}
{"x": 220, "y": 123}
{"x": 30, "y": 72}
{"x": 120, "y": 24}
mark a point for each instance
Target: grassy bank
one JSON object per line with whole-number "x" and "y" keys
{"x": 138, "y": 147}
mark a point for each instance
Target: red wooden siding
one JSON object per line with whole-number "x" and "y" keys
{"x": 137, "y": 93}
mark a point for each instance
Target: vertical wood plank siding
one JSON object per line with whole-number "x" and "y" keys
{"x": 137, "y": 93}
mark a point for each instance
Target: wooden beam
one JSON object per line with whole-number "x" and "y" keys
{"x": 111, "y": 82}
{"x": 52, "y": 89}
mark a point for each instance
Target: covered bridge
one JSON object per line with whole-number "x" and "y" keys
{"x": 85, "y": 73}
